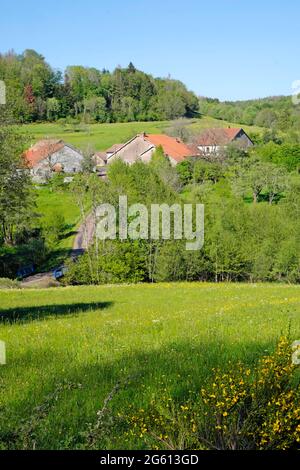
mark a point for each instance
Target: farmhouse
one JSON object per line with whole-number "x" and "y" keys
{"x": 49, "y": 156}
{"x": 142, "y": 147}
{"x": 100, "y": 159}
{"x": 213, "y": 141}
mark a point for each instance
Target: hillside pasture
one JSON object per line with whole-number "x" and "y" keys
{"x": 49, "y": 201}
{"x": 102, "y": 136}
{"x": 165, "y": 337}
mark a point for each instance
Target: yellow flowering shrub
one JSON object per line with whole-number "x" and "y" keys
{"x": 244, "y": 408}
{"x": 164, "y": 425}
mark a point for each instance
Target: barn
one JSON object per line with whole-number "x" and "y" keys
{"x": 48, "y": 157}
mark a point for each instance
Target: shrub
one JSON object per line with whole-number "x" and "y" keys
{"x": 9, "y": 284}
{"x": 112, "y": 263}
{"x": 53, "y": 228}
{"x": 243, "y": 409}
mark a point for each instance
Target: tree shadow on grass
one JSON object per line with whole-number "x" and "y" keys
{"x": 175, "y": 369}
{"x": 26, "y": 314}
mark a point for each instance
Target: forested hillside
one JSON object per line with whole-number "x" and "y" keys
{"x": 37, "y": 92}
{"x": 278, "y": 113}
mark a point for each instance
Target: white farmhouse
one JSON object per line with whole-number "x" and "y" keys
{"x": 213, "y": 141}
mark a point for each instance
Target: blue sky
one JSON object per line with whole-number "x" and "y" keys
{"x": 230, "y": 49}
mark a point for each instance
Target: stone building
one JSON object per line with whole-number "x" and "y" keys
{"x": 48, "y": 157}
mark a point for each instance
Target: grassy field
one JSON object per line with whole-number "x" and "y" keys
{"x": 166, "y": 337}
{"x": 102, "y": 136}
{"x": 48, "y": 203}
{"x": 63, "y": 202}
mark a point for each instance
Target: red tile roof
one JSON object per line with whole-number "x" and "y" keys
{"x": 42, "y": 150}
{"x": 218, "y": 136}
{"x": 172, "y": 147}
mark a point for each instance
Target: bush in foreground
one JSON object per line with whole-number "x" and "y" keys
{"x": 244, "y": 409}
{"x": 239, "y": 409}
{"x": 9, "y": 284}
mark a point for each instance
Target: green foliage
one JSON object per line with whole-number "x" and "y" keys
{"x": 174, "y": 263}
{"x": 8, "y": 284}
{"x": 286, "y": 155}
{"x": 53, "y": 109}
{"x": 163, "y": 168}
{"x": 30, "y": 84}
{"x": 16, "y": 196}
{"x": 243, "y": 241}
{"x": 53, "y": 227}
{"x": 36, "y": 93}
{"x": 141, "y": 183}
{"x": 112, "y": 263}
{"x": 200, "y": 171}
{"x": 206, "y": 171}
{"x": 121, "y": 261}
{"x": 277, "y": 114}
{"x": 168, "y": 337}
{"x": 184, "y": 170}
{"x": 96, "y": 108}
{"x": 257, "y": 177}
{"x": 31, "y": 251}
{"x": 240, "y": 409}
{"x": 56, "y": 183}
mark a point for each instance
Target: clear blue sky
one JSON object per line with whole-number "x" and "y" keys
{"x": 230, "y": 49}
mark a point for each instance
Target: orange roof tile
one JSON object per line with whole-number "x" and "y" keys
{"x": 172, "y": 147}
{"x": 41, "y": 150}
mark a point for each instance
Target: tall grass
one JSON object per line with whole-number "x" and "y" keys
{"x": 165, "y": 337}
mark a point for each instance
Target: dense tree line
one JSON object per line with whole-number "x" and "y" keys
{"x": 15, "y": 186}
{"x": 37, "y": 92}
{"x": 277, "y": 113}
{"x": 252, "y": 203}
{"x": 20, "y": 242}
{"x": 251, "y": 223}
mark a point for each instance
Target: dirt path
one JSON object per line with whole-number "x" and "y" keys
{"x": 83, "y": 239}
{"x": 85, "y": 236}
{"x": 40, "y": 281}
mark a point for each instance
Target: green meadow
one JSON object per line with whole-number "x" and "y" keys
{"x": 79, "y": 342}
{"x": 63, "y": 202}
{"x": 102, "y": 136}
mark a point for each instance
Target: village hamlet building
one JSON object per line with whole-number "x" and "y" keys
{"x": 100, "y": 159}
{"x": 142, "y": 147}
{"x": 214, "y": 141}
{"x": 48, "y": 157}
